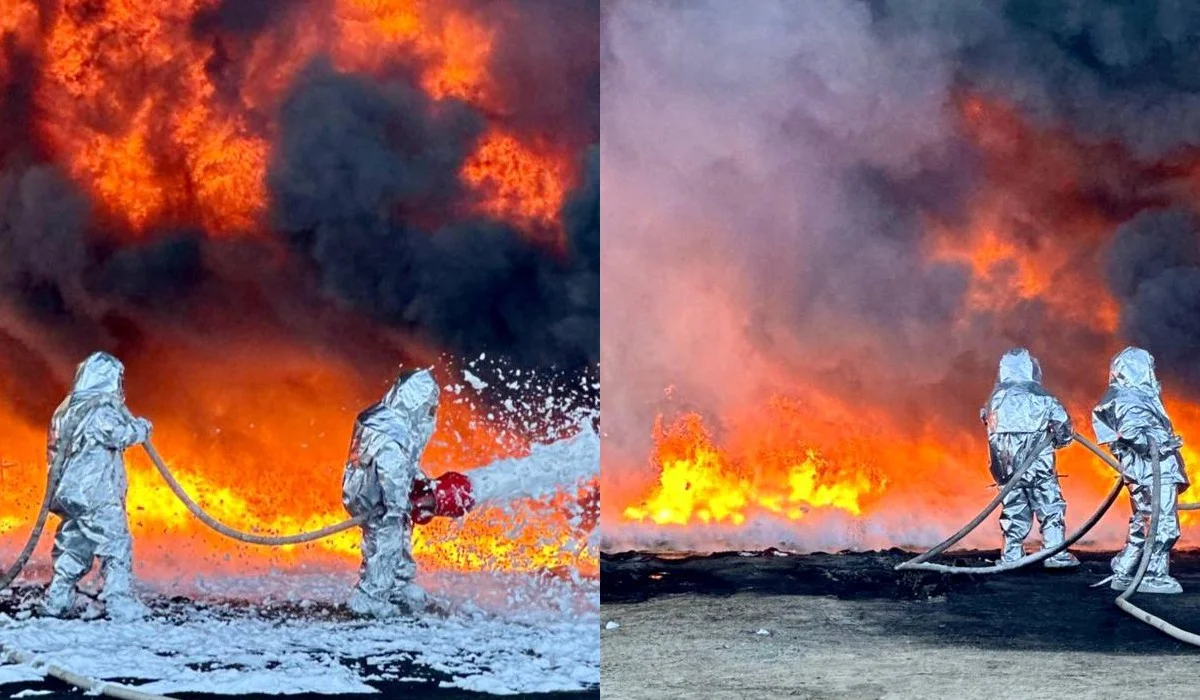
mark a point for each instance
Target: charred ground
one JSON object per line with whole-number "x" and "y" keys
{"x": 1025, "y": 609}
{"x": 847, "y": 626}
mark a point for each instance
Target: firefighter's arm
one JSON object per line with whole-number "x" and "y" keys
{"x": 117, "y": 429}
{"x": 1061, "y": 430}
{"x": 397, "y": 472}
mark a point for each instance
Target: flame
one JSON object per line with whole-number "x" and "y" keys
{"x": 810, "y": 445}
{"x": 261, "y": 446}
{"x": 517, "y": 183}
{"x": 701, "y": 482}
{"x": 137, "y": 107}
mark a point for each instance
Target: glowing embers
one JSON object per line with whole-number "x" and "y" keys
{"x": 702, "y": 482}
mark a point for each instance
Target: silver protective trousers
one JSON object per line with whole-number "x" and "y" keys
{"x": 1037, "y": 495}
{"x": 101, "y": 533}
{"x": 387, "y": 561}
{"x": 1124, "y": 565}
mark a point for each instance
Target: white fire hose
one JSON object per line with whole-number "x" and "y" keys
{"x": 90, "y": 685}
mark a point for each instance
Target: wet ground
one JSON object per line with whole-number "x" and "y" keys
{"x": 849, "y": 626}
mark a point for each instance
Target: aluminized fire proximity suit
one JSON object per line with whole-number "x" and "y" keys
{"x": 384, "y": 463}
{"x": 1022, "y": 416}
{"x": 1128, "y": 420}
{"x": 89, "y": 433}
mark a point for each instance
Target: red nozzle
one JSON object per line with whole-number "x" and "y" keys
{"x": 452, "y": 494}
{"x": 448, "y": 496}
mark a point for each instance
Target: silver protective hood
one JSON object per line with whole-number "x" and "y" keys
{"x": 415, "y": 396}
{"x": 1020, "y": 404}
{"x": 1018, "y": 365}
{"x": 1132, "y": 408}
{"x": 100, "y": 373}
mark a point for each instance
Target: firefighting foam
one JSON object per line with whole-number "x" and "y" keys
{"x": 855, "y": 217}
{"x": 263, "y": 210}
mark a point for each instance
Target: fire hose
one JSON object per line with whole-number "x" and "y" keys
{"x": 34, "y": 535}
{"x": 1014, "y": 480}
{"x": 238, "y": 535}
{"x": 1122, "y": 600}
{"x": 457, "y": 507}
{"x": 91, "y": 685}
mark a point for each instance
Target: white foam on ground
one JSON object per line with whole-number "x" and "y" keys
{"x": 549, "y": 643}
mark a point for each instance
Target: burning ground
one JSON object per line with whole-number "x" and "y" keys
{"x": 825, "y": 222}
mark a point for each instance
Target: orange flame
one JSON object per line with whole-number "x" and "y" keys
{"x": 261, "y": 446}
{"x": 134, "y": 108}
{"x": 700, "y": 482}
{"x": 517, "y": 183}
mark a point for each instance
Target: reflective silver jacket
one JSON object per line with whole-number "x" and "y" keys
{"x": 386, "y": 447}
{"x": 89, "y": 433}
{"x": 1020, "y": 407}
{"x": 1131, "y": 415}
{"x": 1020, "y": 404}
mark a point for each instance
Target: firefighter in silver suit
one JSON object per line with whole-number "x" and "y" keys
{"x": 1132, "y": 423}
{"x": 89, "y": 433}
{"x": 1021, "y": 416}
{"x": 379, "y": 478}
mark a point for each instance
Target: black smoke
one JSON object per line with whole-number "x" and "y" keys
{"x": 363, "y": 178}
{"x": 1154, "y": 270}
{"x": 546, "y": 64}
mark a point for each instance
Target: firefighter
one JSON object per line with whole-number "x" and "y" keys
{"x": 1132, "y": 423}
{"x": 89, "y": 434}
{"x": 1022, "y": 416}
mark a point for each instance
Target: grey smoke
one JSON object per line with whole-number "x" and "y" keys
{"x": 546, "y": 67}
{"x": 43, "y": 253}
{"x": 775, "y": 171}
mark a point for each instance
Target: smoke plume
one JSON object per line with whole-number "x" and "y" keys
{"x": 367, "y": 221}
{"x": 874, "y": 200}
